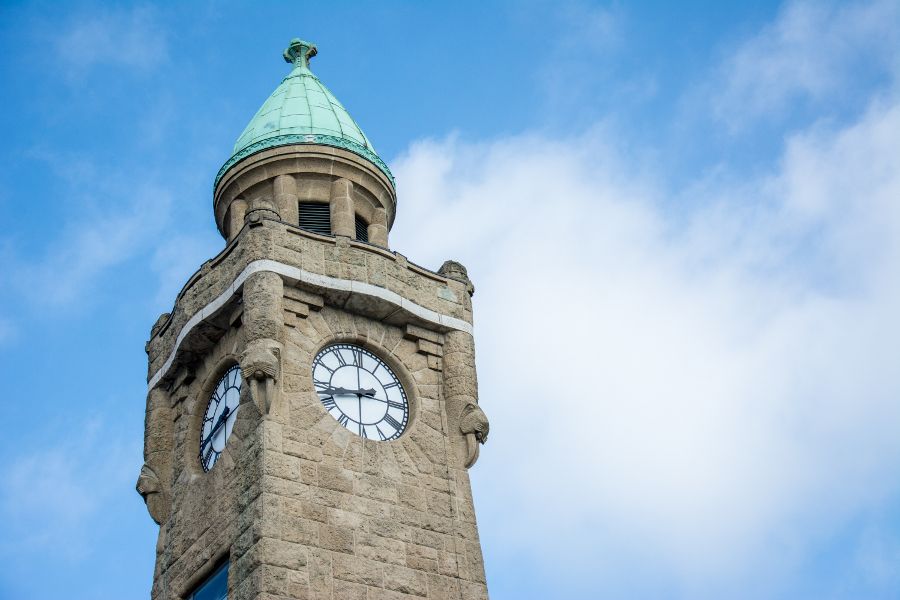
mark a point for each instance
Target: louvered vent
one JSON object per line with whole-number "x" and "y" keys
{"x": 315, "y": 217}
{"x": 362, "y": 230}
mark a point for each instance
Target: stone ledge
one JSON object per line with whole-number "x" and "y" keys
{"x": 431, "y": 299}
{"x": 405, "y": 307}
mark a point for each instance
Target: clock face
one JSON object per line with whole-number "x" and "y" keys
{"x": 359, "y": 390}
{"x": 218, "y": 420}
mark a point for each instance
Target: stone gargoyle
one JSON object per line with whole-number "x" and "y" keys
{"x": 475, "y": 426}
{"x": 260, "y": 367}
{"x": 151, "y": 490}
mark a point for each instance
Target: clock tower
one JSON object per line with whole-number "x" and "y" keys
{"x": 312, "y": 405}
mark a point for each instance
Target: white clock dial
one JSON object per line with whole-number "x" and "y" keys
{"x": 359, "y": 390}
{"x": 218, "y": 421}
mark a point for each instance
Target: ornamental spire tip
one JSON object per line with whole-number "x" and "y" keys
{"x": 299, "y": 52}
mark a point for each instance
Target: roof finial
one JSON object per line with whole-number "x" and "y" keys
{"x": 299, "y": 52}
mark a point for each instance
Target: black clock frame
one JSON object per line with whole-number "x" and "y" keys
{"x": 342, "y": 418}
{"x": 212, "y": 456}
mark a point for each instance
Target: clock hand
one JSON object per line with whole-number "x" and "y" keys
{"x": 222, "y": 418}
{"x": 331, "y": 391}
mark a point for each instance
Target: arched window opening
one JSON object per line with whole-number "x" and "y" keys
{"x": 362, "y": 230}
{"x": 214, "y": 587}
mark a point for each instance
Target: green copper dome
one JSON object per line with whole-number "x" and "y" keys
{"x": 302, "y": 111}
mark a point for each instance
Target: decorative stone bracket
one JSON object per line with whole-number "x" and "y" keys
{"x": 298, "y": 304}
{"x": 473, "y": 423}
{"x": 151, "y": 490}
{"x": 259, "y": 210}
{"x": 261, "y": 368}
{"x": 263, "y": 320}
{"x": 429, "y": 343}
{"x": 179, "y": 390}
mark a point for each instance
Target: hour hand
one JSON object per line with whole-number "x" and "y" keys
{"x": 222, "y": 418}
{"x": 331, "y": 391}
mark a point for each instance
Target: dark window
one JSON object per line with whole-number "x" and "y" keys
{"x": 214, "y": 588}
{"x": 362, "y": 229}
{"x": 315, "y": 217}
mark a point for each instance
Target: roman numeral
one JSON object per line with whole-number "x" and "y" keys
{"x": 399, "y": 405}
{"x": 392, "y": 422}
{"x": 324, "y": 366}
{"x": 362, "y": 431}
{"x": 357, "y": 357}
{"x": 381, "y": 435}
{"x": 343, "y": 419}
{"x": 391, "y": 385}
{"x": 207, "y": 456}
{"x": 321, "y": 384}
{"x": 328, "y": 403}
{"x": 341, "y": 360}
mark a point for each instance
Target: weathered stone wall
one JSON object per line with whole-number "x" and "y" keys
{"x": 345, "y": 517}
{"x": 333, "y": 257}
{"x": 302, "y": 507}
{"x": 212, "y": 514}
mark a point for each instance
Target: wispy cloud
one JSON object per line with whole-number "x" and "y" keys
{"x": 101, "y": 238}
{"x": 807, "y": 54}
{"x": 689, "y": 391}
{"x": 176, "y": 260}
{"x": 7, "y": 331}
{"x": 132, "y": 38}
{"x": 52, "y": 496}
{"x": 580, "y": 59}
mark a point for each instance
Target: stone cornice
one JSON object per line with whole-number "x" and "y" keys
{"x": 314, "y": 280}
{"x": 303, "y": 138}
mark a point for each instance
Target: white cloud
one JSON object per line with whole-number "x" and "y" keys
{"x": 585, "y": 29}
{"x": 807, "y": 54}
{"x": 52, "y": 498}
{"x": 179, "y": 257}
{"x": 131, "y": 38}
{"x": 714, "y": 396}
{"x": 7, "y": 331}
{"x": 579, "y": 66}
{"x": 99, "y": 239}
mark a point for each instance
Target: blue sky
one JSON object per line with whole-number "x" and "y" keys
{"x": 687, "y": 212}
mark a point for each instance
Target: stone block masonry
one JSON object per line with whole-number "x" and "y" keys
{"x": 301, "y": 507}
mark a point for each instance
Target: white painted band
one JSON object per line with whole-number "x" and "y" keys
{"x": 322, "y": 281}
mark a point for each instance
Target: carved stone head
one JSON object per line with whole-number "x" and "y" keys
{"x": 151, "y": 490}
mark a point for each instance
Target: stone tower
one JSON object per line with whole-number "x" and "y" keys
{"x": 312, "y": 404}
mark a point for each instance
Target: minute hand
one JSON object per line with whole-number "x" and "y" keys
{"x": 222, "y": 418}
{"x": 331, "y": 391}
